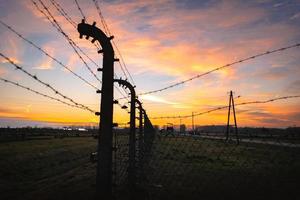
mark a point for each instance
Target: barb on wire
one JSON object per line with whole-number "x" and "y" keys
{"x": 44, "y": 95}
{"x": 44, "y": 83}
{"x": 223, "y": 107}
{"x": 47, "y": 54}
{"x": 219, "y": 68}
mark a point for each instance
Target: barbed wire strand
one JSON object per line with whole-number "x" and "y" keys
{"x": 47, "y": 54}
{"x": 43, "y": 83}
{"x": 41, "y": 94}
{"x": 223, "y": 107}
{"x": 267, "y": 101}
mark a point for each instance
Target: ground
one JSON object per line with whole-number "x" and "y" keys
{"x": 47, "y": 169}
{"x": 186, "y": 167}
{"x": 177, "y": 168}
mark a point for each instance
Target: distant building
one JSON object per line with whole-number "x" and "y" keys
{"x": 182, "y": 128}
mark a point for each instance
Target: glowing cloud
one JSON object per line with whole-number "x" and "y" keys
{"x": 157, "y": 99}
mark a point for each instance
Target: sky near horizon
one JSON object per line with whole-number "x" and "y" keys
{"x": 162, "y": 42}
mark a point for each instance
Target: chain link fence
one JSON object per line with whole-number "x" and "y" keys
{"x": 204, "y": 165}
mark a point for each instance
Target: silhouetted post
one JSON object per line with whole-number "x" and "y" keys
{"x": 228, "y": 117}
{"x": 104, "y": 165}
{"x": 235, "y": 124}
{"x": 149, "y": 133}
{"x": 180, "y": 124}
{"x": 193, "y": 127}
{"x": 231, "y": 102}
{"x": 141, "y": 131}
{"x": 132, "y": 149}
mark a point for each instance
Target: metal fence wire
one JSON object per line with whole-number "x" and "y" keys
{"x": 204, "y": 165}
{"x": 120, "y": 157}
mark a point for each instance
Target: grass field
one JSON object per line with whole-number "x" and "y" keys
{"x": 47, "y": 169}
{"x": 177, "y": 168}
{"x": 189, "y": 168}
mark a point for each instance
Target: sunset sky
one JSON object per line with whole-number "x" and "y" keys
{"x": 162, "y": 42}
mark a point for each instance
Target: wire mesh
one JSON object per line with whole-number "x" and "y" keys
{"x": 203, "y": 165}
{"x": 120, "y": 161}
